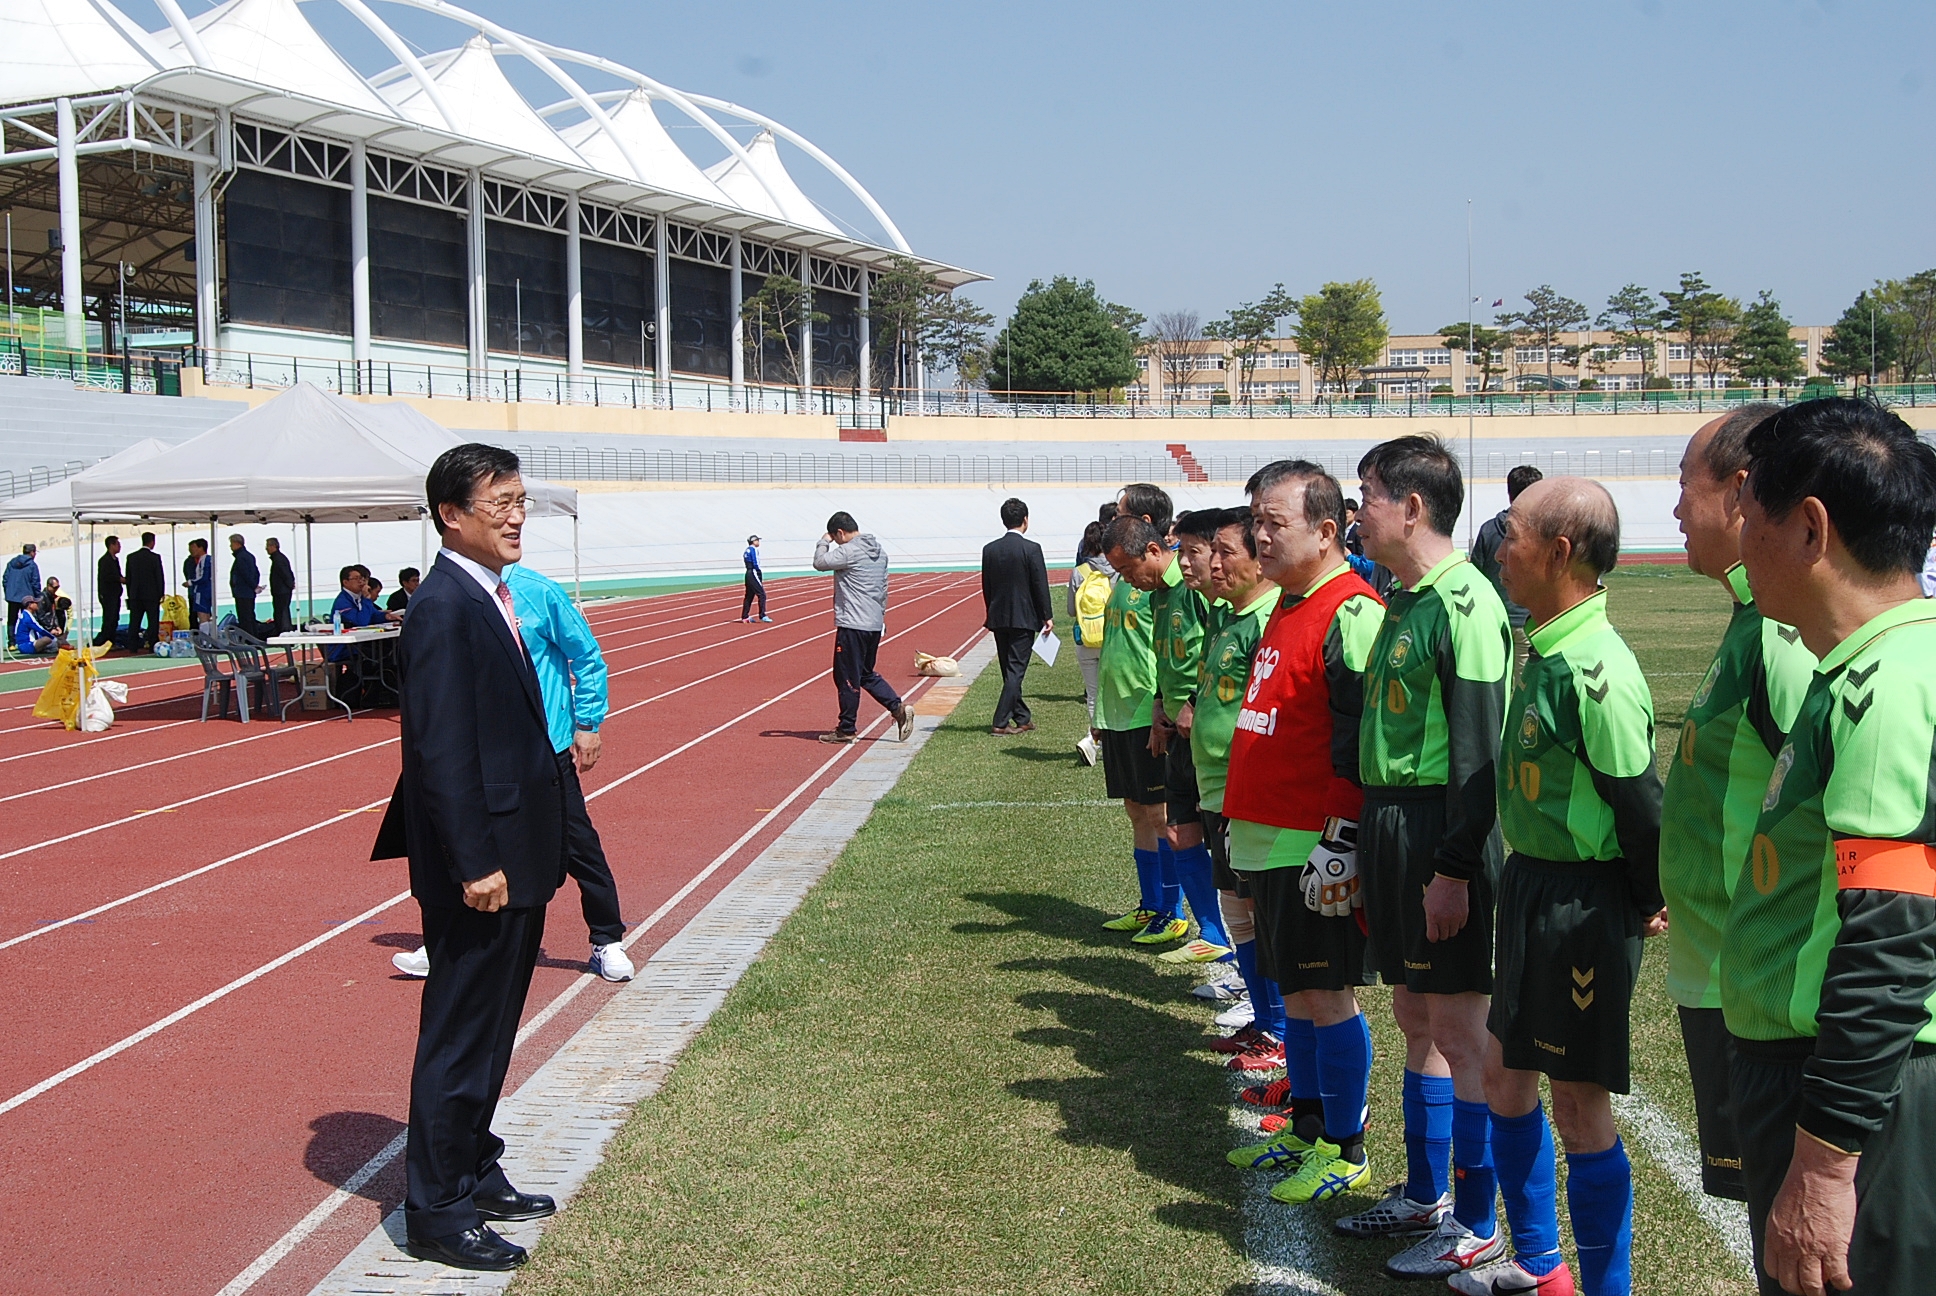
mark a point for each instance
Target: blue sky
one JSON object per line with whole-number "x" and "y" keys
{"x": 1190, "y": 156}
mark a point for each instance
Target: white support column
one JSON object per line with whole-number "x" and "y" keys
{"x": 661, "y": 303}
{"x": 359, "y": 253}
{"x": 806, "y": 328}
{"x": 69, "y": 173}
{"x": 480, "y": 305}
{"x": 866, "y": 338}
{"x": 208, "y": 280}
{"x": 574, "y": 290}
{"x": 736, "y": 327}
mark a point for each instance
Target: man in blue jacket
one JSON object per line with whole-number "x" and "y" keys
{"x": 22, "y": 583}
{"x": 571, "y": 676}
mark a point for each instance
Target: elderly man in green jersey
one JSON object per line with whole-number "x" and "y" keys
{"x": 1828, "y": 959}
{"x": 1579, "y": 800}
{"x": 1429, "y": 848}
{"x": 1734, "y": 726}
{"x": 1133, "y": 767}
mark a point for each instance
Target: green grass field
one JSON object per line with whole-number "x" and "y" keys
{"x": 943, "y": 1077}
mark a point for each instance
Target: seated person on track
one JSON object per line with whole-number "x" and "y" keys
{"x": 30, "y": 637}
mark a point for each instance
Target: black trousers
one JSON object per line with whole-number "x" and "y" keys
{"x": 283, "y": 621}
{"x": 245, "y": 614}
{"x": 110, "y": 620}
{"x": 854, "y": 653}
{"x": 13, "y": 615}
{"x": 480, "y": 971}
{"x": 585, "y": 860}
{"x": 1012, "y": 652}
{"x": 138, "y": 613}
{"x": 755, "y": 589}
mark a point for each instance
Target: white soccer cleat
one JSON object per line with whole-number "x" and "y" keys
{"x": 416, "y": 964}
{"x": 1451, "y": 1248}
{"x": 1088, "y": 748}
{"x": 1507, "y": 1278}
{"x": 1237, "y": 1015}
{"x": 609, "y": 961}
{"x": 1395, "y": 1216}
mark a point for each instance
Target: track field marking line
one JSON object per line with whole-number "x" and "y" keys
{"x": 164, "y": 760}
{"x": 1674, "y": 1152}
{"x": 327, "y": 1208}
{"x": 122, "y": 1045}
{"x": 89, "y": 742}
{"x": 808, "y": 609}
{"x": 87, "y": 915}
{"x": 1285, "y": 1245}
{"x": 169, "y": 809}
{"x": 1015, "y": 805}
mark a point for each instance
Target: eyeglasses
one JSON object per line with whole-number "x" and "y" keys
{"x": 503, "y": 506}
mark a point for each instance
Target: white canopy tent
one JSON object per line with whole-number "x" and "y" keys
{"x": 307, "y": 456}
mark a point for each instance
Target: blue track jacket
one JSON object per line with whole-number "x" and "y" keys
{"x": 571, "y": 669}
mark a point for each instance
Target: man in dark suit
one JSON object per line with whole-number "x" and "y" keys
{"x": 1015, "y": 590}
{"x": 245, "y": 582}
{"x": 146, "y": 583}
{"x": 107, "y": 583}
{"x": 282, "y": 584}
{"x": 480, "y": 814}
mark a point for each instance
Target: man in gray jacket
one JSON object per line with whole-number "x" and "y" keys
{"x": 859, "y": 565}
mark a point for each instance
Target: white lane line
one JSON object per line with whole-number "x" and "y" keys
{"x": 1668, "y": 1145}
{"x": 120, "y": 1046}
{"x": 1015, "y": 805}
{"x": 165, "y": 760}
{"x": 806, "y": 610}
{"x": 233, "y": 787}
{"x": 260, "y": 1267}
{"x": 130, "y": 898}
{"x": 89, "y": 742}
{"x": 1287, "y": 1248}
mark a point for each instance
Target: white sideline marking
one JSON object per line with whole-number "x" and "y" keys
{"x": 1673, "y": 1151}
{"x": 89, "y": 742}
{"x": 1286, "y": 1246}
{"x": 309, "y": 1223}
{"x": 155, "y": 1028}
{"x": 1014, "y": 805}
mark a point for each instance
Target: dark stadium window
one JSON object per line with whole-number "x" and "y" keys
{"x": 769, "y": 360}
{"x": 836, "y": 340}
{"x": 701, "y": 318}
{"x": 616, "y": 288}
{"x": 288, "y": 246}
{"x": 419, "y": 282}
{"x": 527, "y": 264}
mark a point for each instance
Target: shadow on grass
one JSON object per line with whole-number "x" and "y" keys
{"x": 1035, "y": 911}
{"x": 1061, "y": 755}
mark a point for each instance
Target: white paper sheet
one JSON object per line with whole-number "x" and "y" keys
{"x": 1047, "y": 646}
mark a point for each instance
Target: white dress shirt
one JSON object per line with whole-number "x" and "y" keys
{"x": 490, "y": 580}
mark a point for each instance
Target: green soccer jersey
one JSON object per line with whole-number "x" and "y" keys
{"x": 1736, "y": 723}
{"x": 1230, "y": 639}
{"x": 1576, "y": 762}
{"x": 1435, "y": 689}
{"x": 1126, "y": 669}
{"x": 1178, "y": 612}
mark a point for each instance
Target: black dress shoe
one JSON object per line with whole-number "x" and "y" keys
{"x": 474, "y": 1248}
{"x": 511, "y": 1205}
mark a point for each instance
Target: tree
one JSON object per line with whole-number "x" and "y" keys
{"x": 954, "y": 335}
{"x": 1547, "y": 315}
{"x": 1246, "y": 329}
{"x": 776, "y": 313}
{"x": 1173, "y": 338}
{"x": 898, "y": 302}
{"x": 1763, "y": 351}
{"x": 1911, "y": 306}
{"x": 1705, "y": 318}
{"x": 1063, "y": 337}
{"x": 1863, "y": 342}
{"x": 1341, "y": 327}
{"x": 1633, "y": 315}
{"x": 1485, "y": 343}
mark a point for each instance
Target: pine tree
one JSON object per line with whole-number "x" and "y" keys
{"x": 1763, "y": 352}
{"x": 1862, "y": 343}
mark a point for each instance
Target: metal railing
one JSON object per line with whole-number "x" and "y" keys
{"x": 15, "y": 484}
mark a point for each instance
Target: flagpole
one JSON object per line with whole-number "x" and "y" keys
{"x": 1471, "y": 462}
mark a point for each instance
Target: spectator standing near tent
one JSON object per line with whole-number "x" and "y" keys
{"x": 146, "y": 583}
{"x": 199, "y": 572}
{"x": 108, "y": 584}
{"x": 282, "y": 584}
{"x": 859, "y": 565}
{"x": 755, "y": 581}
{"x": 22, "y": 583}
{"x": 245, "y": 582}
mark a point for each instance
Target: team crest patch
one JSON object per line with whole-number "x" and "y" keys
{"x": 1707, "y": 685}
{"x": 1529, "y": 729}
{"x": 1400, "y": 651}
{"x": 1783, "y": 763}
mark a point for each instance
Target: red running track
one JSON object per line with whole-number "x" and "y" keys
{"x": 207, "y": 1038}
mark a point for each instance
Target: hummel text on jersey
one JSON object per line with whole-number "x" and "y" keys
{"x": 1257, "y": 722}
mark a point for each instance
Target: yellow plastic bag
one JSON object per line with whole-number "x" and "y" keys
{"x": 175, "y": 608}
{"x": 68, "y": 681}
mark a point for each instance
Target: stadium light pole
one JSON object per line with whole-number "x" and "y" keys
{"x": 1471, "y": 463}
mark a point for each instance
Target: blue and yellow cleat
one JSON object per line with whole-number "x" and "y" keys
{"x": 1161, "y": 931}
{"x": 1134, "y": 920}
{"x": 1322, "y": 1173}
{"x": 1284, "y": 1151}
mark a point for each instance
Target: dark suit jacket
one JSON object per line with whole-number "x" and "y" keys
{"x": 480, "y": 788}
{"x": 1015, "y": 584}
{"x": 243, "y": 577}
{"x": 107, "y": 576}
{"x": 146, "y": 584}
{"x": 282, "y": 577}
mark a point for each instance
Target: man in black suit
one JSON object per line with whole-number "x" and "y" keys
{"x": 107, "y": 583}
{"x": 282, "y": 584}
{"x": 479, "y": 812}
{"x": 146, "y": 583}
{"x": 1015, "y": 590}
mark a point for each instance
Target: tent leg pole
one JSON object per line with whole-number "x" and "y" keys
{"x": 81, "y": 606}
{"x": 309, "y": 574}
{"x": 577, "y": 587}
{"x": 211, "y": 574}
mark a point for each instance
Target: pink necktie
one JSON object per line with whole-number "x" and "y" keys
{"x": 510, "y": 613}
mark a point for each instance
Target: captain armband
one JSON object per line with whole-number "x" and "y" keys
{"x": 1862, "y": 864}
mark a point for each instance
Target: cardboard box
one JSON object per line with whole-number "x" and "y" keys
{"x": 315, "y": 678}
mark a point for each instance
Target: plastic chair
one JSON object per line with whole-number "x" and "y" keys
{"x": 252, "y": 661}
{"x": 220, "y": 684}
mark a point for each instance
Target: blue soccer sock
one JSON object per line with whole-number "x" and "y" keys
{"x": 1267, "y": 1009}
{"x": 1200, "y": 888}
{"x": 1301, "y": 1056}
{"x": 1474, "y": 1185}
{"x": 1344, "y": 1080}
{"x": 1428, "y": 1135}
{"x": 1522, "y": 1148}
{"x": 1149, "y": 880}
{"x": 1171, "y": 903}
{"x": 1599, "y": 1197}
